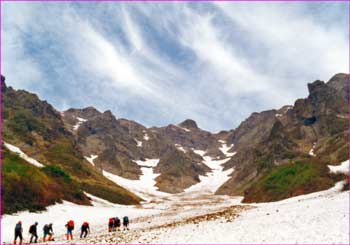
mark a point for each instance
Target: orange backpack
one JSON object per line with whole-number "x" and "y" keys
{"x": 71, "y": 224}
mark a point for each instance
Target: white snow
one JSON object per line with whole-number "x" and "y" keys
{"x": 213, "y": 180}
{"x": 138, "y": 142}
{"x": 225, "y": 148}
{"x": 80, "y": 121}
{"x": 146, "y": 137}
{"x": 180, "y": 147}
{"x": 91, "y": 159}
{"x": 199, "y": 152}
{"x": 58, "y": 214}
{"x": 143, "y": 187}
{"x": 343, "y": 168}
{"x": 317, "y": 218}
{"x": 311, "y": 152}
{"x": 183, "y": 128}
{"x": 278, "y": 115}
{"x": 148, "y": 162}
{"x": 23, "y": 155}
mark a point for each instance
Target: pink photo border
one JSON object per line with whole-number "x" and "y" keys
{"x": 251, "y": 1}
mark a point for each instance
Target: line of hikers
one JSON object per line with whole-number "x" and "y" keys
{"x": 47, "y": 231}
{"x": 113, "y": 225}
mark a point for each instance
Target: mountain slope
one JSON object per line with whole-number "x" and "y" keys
{"x": 36, "y": 128}
{"x": 272, "y": 155}
{"x": 303, "y": 139}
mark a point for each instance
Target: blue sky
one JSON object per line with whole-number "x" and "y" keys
{"x": 160, "y": 63}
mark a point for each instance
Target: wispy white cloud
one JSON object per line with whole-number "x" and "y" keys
{"x": 161, "y": 63}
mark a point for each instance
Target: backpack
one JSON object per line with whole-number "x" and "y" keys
{"x": 85, "y": 224}
{"x": 46, "y": 229}
{"x": 111, "y": 220}
{"x": 126, "y": 219}
{"x": 18, "y": 227}
{"x": 117, "y": 221}
{"x": 32, "y": 229}
{"x": 71, "y": 224}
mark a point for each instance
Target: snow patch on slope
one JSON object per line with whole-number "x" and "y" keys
{"x": 185, "y": 129}
{"x": 200, "y": 152}
{"x": 180, "y": 147}
{"x": 213, "y": 180}
{"x": 138, "y": 143}
{"x": 146, "y": 137}
{"x": 143, "y": 187}
{"x": 91, "y": 159}
{"x": 311, "y": 152}
{"x": 80, "y": 121}
{"x": 225, "y": 148}
{"x": 343, "y": 168}
{"x": 23, "y": 155}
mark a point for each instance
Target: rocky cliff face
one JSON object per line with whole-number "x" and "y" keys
{"x": 292, "y": 144}
{"x": 37, "y": 129}
{"x": 304, "y": 133}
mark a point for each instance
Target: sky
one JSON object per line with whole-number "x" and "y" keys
{"x": 161, "y": 63}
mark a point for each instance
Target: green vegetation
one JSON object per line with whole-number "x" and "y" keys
{"x": 293, "y": 179}
{"x": 25, "y": 186}
{"x": 287, "y": 177}
{"x": 57, "y": 172}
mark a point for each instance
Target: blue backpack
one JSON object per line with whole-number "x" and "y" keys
{"x": 18, "y": 227}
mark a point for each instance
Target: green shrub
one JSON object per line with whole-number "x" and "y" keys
{"x": 57, "y": 172}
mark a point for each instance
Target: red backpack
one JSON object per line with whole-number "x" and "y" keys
{"x": 71, "y": 224}
{"x": 85, "y": 223}
{"x": 111, "y": 220}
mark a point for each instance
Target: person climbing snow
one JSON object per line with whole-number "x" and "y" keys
{"x": 48, "y": 231}
{"x": 117, "y": 223}
{"x": 126, "y": 223}
{"x": 110, "y": 224}
{"x": 85, "y": 229}
{"x": 18, "y": 232}
{"x": 33, "y": 232}
{"x": 70, "y": 228}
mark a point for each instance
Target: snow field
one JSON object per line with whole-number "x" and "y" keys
{"x": 316, "y": 218}
{"x": 59, "y": 214}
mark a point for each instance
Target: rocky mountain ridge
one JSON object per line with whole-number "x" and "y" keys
{"x": 302, "y": 138}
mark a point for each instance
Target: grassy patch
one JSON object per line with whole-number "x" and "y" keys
{"x": 289, "y": 180}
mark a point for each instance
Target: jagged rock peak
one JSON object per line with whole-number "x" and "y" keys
{"x": 339, "y": 77}
{"x": 339, "y": 82}
{"x": 108, "y": 115}
{"x": 316, "y": 86}
{"x": 189, "y": 123}
{"x": 3, "y": 84}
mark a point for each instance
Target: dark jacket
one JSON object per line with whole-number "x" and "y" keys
{"x": 18, "y": 228}
{"x": 32, "y": 229}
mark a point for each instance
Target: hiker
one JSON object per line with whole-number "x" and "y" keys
{"x": 117, "y": 223}
{"x": 48, "y": 231}
{"x": 85, "y": 229}
{"x": 126, "y": 222}
{"x": 34, "y": 233}
{"x": 70, "y": 228}
{"x": 110, "y": 224}
{"x": 18, "y": 232}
